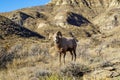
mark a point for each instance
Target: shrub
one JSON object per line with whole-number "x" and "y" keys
{"x": 5, "y": 57}
{"x": 43, "y": 74}
{"x": 16, "y": 49}
{"x": 35, "y": 49}
{"x": 72, "y": 69}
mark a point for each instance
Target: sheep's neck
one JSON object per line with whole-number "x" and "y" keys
{"x": 59, "y": 45}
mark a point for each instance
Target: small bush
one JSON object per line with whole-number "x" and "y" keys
{"x": 5, "y": 57}
{"x": 35, "y": 49}
{"x": 73, "y": 69}
{"x": 43, "y": 74}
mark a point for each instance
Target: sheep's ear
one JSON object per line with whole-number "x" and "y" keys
{"x": 59, "y": 34}
{"x": 71, "y": 34}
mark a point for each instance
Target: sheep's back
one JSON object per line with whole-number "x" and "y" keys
{"x": 68, "y": 42}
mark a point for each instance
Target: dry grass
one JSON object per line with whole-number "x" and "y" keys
{"x": 32, "y": 60}
{"x": 24, "y": 58}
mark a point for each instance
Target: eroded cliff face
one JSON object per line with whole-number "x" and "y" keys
{"x": 96, "y": 6}
{"x": 92, "y": 10}
{"x": 70, "y": 13}
{"x": 89, "y": 3}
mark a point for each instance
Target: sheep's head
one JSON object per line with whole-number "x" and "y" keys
{"x": 57, "y": 37}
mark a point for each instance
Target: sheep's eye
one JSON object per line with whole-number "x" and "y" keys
{"x": 56, "y": 37}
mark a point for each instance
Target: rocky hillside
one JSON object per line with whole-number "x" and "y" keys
{"x": 9, "y": 28}
{"x": 95, "y": 23}
{"x": 12, "y": 34}
{"x": 67, "y": 13}
{"x": 93, "y": 8}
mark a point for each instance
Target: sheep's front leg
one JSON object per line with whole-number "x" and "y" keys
{"x": 64, "y": 56}
{"x": 60, "y": 58}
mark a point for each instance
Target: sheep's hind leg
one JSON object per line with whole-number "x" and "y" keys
{"x": 74, "y": 54}
{"x": 71, "y": 55}
{"x": 64, "y": 56}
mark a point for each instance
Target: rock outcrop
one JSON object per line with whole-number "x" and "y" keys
{"x": 101, "y": 14}
{"x": 10, "y": 28}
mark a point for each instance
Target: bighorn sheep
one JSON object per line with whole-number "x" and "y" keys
{"x": 63, "y": 45}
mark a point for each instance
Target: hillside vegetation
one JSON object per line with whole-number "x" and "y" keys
{"x": 27, "y": 50}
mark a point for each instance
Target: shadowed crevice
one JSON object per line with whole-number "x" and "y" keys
{"x": 76, "y": 19}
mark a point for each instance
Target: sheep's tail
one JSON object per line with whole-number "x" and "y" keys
{"x": 71, "y": 34}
